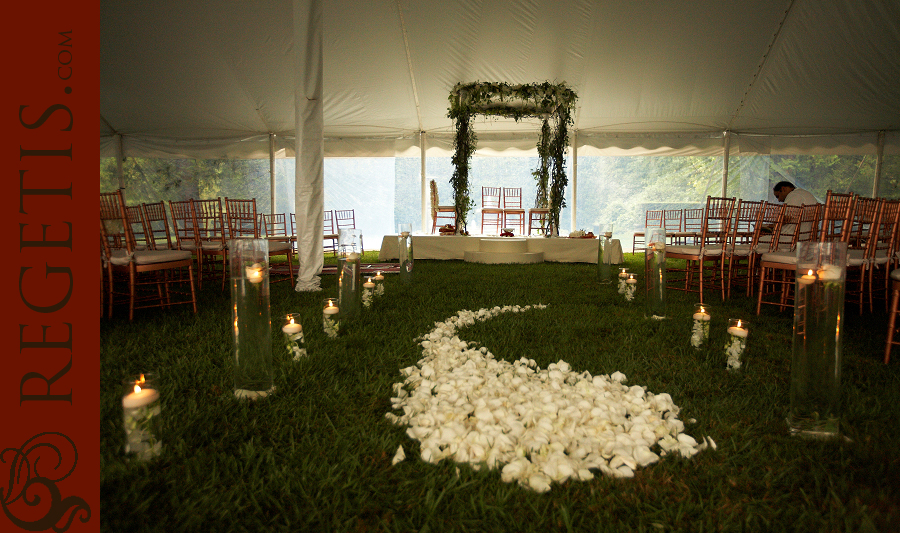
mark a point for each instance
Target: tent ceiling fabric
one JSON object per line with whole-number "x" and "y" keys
{"x": 217, "y": 77}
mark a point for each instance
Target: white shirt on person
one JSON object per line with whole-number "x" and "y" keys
{"x": 797, "y": 197}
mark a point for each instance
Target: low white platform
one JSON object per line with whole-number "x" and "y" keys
{"x": 555, "y": 249}
{"x": 503, "y": 250}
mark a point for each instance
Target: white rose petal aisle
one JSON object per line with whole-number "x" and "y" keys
{"x": 539, "y": 426}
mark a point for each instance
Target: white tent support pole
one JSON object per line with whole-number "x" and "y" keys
{"x": 726, "y": 151}
{"x": 426, "y": 208}
{"x": 120, "y": 159}
{"x": 574, "y": 178}
{"x": 309, "y": 195}
{"x": 879, "y": 159}
{"x": 272, "y": 172}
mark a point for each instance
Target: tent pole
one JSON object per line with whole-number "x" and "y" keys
{"x": 726, "y": 149}
{"x": 423, "y": 185}
{"x": 309, "y": 175}
{"x": 879, "y": 159}
{"x": 574, "y": 178}
{"x": 272, "y": 172}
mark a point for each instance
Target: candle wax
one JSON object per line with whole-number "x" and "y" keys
{"x": 139, "y": 399}
{"x": 292, "y": 328}
{"x": 701, "y": 316}
{"x": 737, "y": 332}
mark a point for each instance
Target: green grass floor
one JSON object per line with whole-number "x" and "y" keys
{"x": 316, "y": 456}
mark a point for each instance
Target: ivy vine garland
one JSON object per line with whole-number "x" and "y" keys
{"x": 549, "y": 102}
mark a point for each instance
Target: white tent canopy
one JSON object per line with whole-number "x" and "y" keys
{"x": 214, "y": 79}
{"x": 219, "y": 79}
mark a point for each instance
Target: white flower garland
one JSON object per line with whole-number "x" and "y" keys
{"x": 538, "y": 425}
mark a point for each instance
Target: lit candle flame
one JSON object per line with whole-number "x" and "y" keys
{"x": 810, "y": 273}
{"x": 739, "y": 323}
{"x": 137, "y": 389}
{"x": 291, "y": 319}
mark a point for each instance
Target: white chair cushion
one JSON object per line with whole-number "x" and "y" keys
{"x": 279, "y": 246}
{"x": 786, "y": 257}
{"x": 150, "y": 257}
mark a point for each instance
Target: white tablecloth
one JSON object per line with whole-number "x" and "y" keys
{"x": 556, "y": 249}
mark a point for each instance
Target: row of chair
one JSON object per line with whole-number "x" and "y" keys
{"x": 141, "y": 249}
{"x": 334, "y": 222}
{"x": 502, "y": 208}
{"x": 753, "y": 243}
{"x": 682, "y": 226}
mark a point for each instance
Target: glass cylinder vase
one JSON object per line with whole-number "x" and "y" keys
{"x": 141, "y": 416}
{"x": 292, "y": 331}
{"x": 331, "y": 318}
{"x": 816, "y": 352}
{"x": 738, "y": 330}
{"x": 405, "y": 250}
{"x": 655, "y": 263}
{"x": 378, "y": 278}
{"x": 604, "y": 267}
{"x": 251, "y": 322}
{"x": 623, "y": 275}
{"x": 368, "y": 293}
{"x": 700, "y": 329}
{"x": 630, "y": 288}
{"x": 349, "y": 289}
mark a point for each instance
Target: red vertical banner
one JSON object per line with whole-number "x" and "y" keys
{"x": 49, "y": 380}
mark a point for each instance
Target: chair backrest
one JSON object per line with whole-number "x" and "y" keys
{"x": 672, "y": 220}
{"x": 653, "y": 218}
{"x": 112, "y": 221}
{"x": 274, "y": 225}
{"x": 692, "y": 220}
{"x": 184, "y": 225}
{"x": 863, "y": 217}
{"x": 887, "y": 227}
{"x": 837, "y": 219}
{"x": 209, "y": 220}
{"x": 134, "y": 216}
{"x": 241, "y": 218}
{"x": 491, "y": 197}
{"x": 328, "y": 223}
{"x": 746, "y": 215}
{"x": 808, "y": 228}
{"x": 344, "y": 219}
{"x": 716, "y": 220}
{"x": 512, "y": 198}
{"x": 157, "y": 225}
{"x": 783, "y": 237}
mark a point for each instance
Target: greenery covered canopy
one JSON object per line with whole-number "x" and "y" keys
{"x": 543, "y": 100}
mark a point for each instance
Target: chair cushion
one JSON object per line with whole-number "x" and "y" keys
{"x": 279, "y": 246}
{"x": 150, "y": 257}
{"x": 706, "y": 251}
{"x": 786, "y": 257}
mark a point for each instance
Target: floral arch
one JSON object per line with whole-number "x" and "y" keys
{"x": 553, "y": 103}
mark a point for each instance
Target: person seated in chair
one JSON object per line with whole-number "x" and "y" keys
{"x": 788, "y": 194}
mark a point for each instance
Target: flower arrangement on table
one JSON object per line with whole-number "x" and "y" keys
{"x": 507, "y": 233}
{"x": 581, "y": 234}
{"x": 450, "y": 229}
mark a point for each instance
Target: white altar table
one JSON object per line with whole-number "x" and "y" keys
{"x": 556, "y": 249}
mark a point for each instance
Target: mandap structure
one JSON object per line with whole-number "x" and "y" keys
{"x": 552, "y": 103}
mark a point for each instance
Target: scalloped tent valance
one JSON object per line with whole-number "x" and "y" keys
{"x": 546, "y": 101}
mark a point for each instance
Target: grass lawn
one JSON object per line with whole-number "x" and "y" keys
{"x": 316, "y": 456}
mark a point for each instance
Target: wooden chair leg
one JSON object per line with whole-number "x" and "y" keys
{"x": 892, "y": 322}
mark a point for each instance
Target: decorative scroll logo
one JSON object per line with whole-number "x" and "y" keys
{"x": 32, "y": 479}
